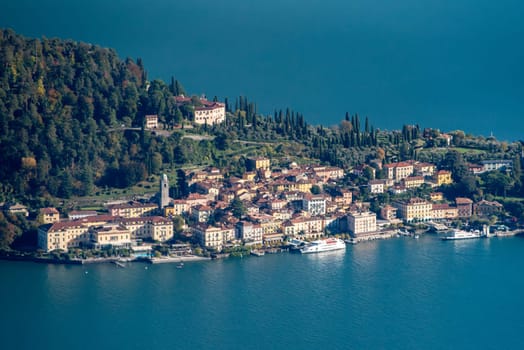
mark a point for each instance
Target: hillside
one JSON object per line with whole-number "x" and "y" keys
{"x": 59, "y": 101}
{"x": 72, "y": 116}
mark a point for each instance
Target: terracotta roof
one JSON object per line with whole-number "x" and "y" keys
{"x": 461, "y": 200}
{"x": 49, "y": 211}
{"x": 440, "y": 206}
{"x": 64, "y": 225}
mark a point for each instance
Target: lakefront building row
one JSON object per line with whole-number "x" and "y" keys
{"x": 103, "y": 230}
{"x": 277, "y": 203}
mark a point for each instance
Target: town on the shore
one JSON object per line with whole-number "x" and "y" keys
{"x": 274, "y": 206}
{"x": 85, "y": 152}
{"x": 267, "y": 207}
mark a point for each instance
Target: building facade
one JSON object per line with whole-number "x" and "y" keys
{"x": 210, "y": 113}
{"x": 414, "y": 209}
{"x": 49, "y": 215}
{"x": 464, "y": 207}
{"x": 133, "y": 209}
{"x": 151, "y": 121}
{"x": 361, "y": 223}
{"x": 399, "y": 171}
{"x": 314, "y": 204}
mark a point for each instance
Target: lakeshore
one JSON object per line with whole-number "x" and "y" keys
{"x": 259, "y": 252}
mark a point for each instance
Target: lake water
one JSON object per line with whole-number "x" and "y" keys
{"x": 396, "y": 294}
{"x": 442, "y": 64}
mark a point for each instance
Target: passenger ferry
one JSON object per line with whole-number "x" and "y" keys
{"x": 323, "y": 245}
{"x": 461, "y": 234}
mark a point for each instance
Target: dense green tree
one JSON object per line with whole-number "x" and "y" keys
{"x": 237, "y": 207}
{"x": 497, "y": 183}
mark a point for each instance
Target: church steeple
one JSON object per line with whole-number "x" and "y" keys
{"x": 164, "y": 192}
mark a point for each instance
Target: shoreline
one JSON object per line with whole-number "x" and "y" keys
{"x": 119, "y": 261}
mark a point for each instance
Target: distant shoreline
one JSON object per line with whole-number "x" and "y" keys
{"x": 16, "y": 256}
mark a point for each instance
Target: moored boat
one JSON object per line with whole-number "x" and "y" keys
{"x": 461, "y": 234}
{"x": 257, "y": 252}
{"x": 351, "y": 241}
{"x": 323, "y": 245}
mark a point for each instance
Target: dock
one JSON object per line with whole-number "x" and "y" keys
{"x": 375, "y": 236}
{"x": 177, "y": 259}
{"x": 118, "y": 263}
{"x": 257, "y": 252}
{"x": 508, "y": 233}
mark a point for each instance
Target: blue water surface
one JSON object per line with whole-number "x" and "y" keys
{"x": 397, "y": 294}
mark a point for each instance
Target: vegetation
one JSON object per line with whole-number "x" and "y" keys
{"x": 72, "y": 125}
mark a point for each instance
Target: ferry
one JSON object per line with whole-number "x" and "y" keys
{"x": 461, "y": 234}
{"x": 323, "y": 245}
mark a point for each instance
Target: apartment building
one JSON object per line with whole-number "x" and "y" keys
{"x": 414, "y": 209}
{"x": 361, "y": 223}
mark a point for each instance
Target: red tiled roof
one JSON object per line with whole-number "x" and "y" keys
{"x": 49, "y": 211}
{"x": 461, "y": 200}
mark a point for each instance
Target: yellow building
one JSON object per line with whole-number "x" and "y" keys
{"x": 307, "y": 227}
{"x": 113, "y": 234}
{"x": 62, "y": 235}
{"x": 443, "y": 177}
{"x": 256, "y": 163}
{"x": 156, "y": 228}
{"x": 212, "y": 236}
{"x": 270, "y": 226}
{"x": 444, "y": 211}
{"x": 249, "y": 175}
{"x": 71, "y": 234}
{"x": 414, "y": 209}
{"x": 49, "y": 215}
{"x": 133, "y": 209}
{"x": 289, "y": 186}
{"x": 413, "y": 181}
{"x": 328, "y": 172}
{"x": 178, "y": 207}
{"x": 436, "y": 196}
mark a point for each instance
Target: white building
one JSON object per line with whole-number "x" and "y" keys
{"x": 151, "y": 121}
{"x": 362, "y": 223}
{"x": 314, "y": 204}
{"x": 377, "y": 186}
{"x": 210, "y": 113}
{"x": 248, "y": 232}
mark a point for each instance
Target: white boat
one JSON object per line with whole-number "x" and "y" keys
{"x": 296, "y": 244}
{"x": 461, "y": 234}
{"x": 257, "y": 252}
{"x": 404, "y": 233}
{"x": 351, "y": 241}
{"x": 323, "y": 245}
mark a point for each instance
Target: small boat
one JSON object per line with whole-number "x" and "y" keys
{"x": 257, "y": 252}
{"x": 119, "y": 264}
{"x": 296, "y": 244}
{"x": 351, "y": 241}
{"x": 404, "y": 233}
